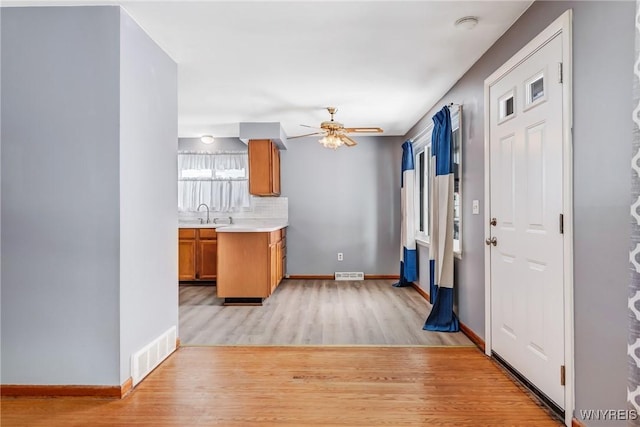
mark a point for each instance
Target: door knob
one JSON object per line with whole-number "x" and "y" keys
{"x": 493, "y": 222}
{"x": 492, "y": 241}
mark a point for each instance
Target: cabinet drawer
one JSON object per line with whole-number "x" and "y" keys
{"x": 208, "y": 233}
{"x": 187, "y": 233}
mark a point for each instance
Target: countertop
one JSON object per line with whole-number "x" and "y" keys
{"x": 246, "y": 226}
{"x": 196, "y": 224}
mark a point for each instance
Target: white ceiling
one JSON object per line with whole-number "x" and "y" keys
{"x": 382, "y": 63}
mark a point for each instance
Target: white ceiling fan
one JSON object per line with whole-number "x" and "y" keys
{"x": 334, "y": 134}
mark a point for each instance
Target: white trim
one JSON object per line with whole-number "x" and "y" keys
{"x": 457, "y": 248}
{"x": 421, "y": 146}
{"x": 562, "y": 25}
{"x": 419, "y": 234}
{"x": 422, "y": 138}
{"x": 567, "y": 119}
{"x": 487, "y": 226}
{"x": 421, "y": 241}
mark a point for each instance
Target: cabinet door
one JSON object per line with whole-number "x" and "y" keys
{"x": 275, "y": 169}
{"x": 186, "y": 259}
{"x": 283, "y": 253}
{"x": 208, "y": 253}
{"x": 273, "y": 267}
{"x": 260, "y": 167}
{"x": 279, "y": 261}
{"x": 264, "y": 168}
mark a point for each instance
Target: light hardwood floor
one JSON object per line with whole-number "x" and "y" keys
{"x": 313, "y": 312}
{"x": 303, "y": 386}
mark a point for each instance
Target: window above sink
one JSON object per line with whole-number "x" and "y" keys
{"x": 217, "y": 179}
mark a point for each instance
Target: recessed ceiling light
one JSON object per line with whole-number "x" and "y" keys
{"x": 467, "y": 22}
{"x": 206, "y": 139}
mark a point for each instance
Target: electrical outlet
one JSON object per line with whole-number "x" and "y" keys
{"x": 476, "y": 207}
{"x": 340, "y": 256}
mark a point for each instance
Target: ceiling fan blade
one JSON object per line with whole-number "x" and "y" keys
{"x": 363, "y": 130}
{"x": 348, "y": 141}
{"x": 306, "y": 134}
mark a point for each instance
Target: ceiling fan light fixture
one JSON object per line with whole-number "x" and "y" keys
{"x": 334, "y": 134}
{"x": 331, "y": 141}
{"x": 207, "y": 139}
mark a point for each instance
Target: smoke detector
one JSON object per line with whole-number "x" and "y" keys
{"x": 467, "y": 22}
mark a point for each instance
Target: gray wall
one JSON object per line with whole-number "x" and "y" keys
{"x": 60, "y": 205}
{"x": 348, "y": 201}
{"x": 89, "y": 139}
{"x": 148, "y": 191}
{"x": 345, "y": 200}
{"x": 220, "y": 144}
{"x": 603, "y": 64}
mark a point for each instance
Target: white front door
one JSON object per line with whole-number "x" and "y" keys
{"x": 526, "y": 160}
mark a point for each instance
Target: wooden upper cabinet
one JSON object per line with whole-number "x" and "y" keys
{"x": 264, "y": 168}
{"x": 275, "y": 169}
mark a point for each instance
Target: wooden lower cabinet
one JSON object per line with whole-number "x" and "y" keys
{"x": 250, "y": 265}
{"x": 283, "y": 254}
{"x": 186, "y": 259}
{"x": 274, "y": 278}
{"x": 197, "y": 254}
{"x": 208, "y": 254}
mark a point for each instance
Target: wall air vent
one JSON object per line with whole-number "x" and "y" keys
{"x": 146, "y": 359}
{"x": 349, "y": 275}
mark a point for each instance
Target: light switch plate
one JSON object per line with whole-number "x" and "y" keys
{"x": 476, "y": 207}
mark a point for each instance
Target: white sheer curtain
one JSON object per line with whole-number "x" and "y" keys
{"x": 217, "y": 179}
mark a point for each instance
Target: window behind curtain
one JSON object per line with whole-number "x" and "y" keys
{"x": 456, "y": 139}
{"x": 423, "y": 159}
{"x": 220, "y": 180}
{"x": 421, "y": 190}
{"x": 422, "y": 153}
{"x": 423, "y": 162}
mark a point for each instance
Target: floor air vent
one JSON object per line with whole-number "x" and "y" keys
{"x": 349, "y": 275}
{"x": 145, "y": 360}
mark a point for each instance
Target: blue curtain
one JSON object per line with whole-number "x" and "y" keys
{"x": 408, "y": 253}
{"x": 442, "y": 318}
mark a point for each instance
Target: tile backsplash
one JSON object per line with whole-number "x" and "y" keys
{"x": 261, "y": 208}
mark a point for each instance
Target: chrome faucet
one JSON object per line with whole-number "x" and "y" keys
{"x": 205, "y": 205}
